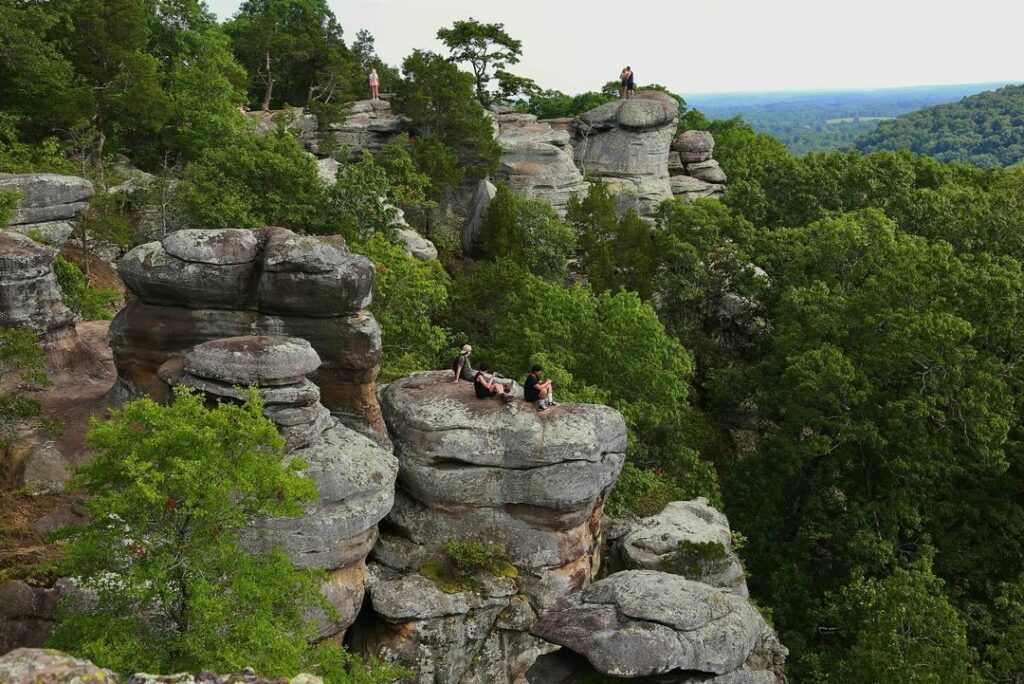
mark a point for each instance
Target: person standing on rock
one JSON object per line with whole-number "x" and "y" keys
{"x": 374, "y": 84}
{"x": 630, "y": 83}
{"x": 623, "y": 82}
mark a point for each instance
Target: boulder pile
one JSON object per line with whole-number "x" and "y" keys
{"x": 48, "y": 204}
{"x": 195, "y": 286}
{"x": 694, "y": 173}
{"x": 479, "y": 471}
{"x": 29, "y": 294}
{"x": 355, "y": 477}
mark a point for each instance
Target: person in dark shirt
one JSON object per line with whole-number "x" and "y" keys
{"x": 487, "y": 385}
{"x": 462, "y": 367}
{"x": 630, "y": 82}
{"x": 538, "y": 391}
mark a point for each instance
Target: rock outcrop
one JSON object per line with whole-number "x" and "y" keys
{"x": 537, "y": 159}
{"x": 27, "y": 614}
{"x": 477, "y": 470}
{"x": 472, "y": 231}
{"x": 29, "y": 294}
{"x": 200, "y": 285}
{"x": 626, "y": 143}
{"x": 368, "y": 125}
{"x": 355, "y": 477}
{"x": 647, "y": 624}
{"x": 694, "y": 173}
{"x": 48, "y": 205}
{"x": 688, "y": 538}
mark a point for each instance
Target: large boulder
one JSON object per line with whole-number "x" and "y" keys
{"x": 642, "y": 623}
{"x": 626, "y": 143}
{"x": 46, "y": 666}
{"x": 479, "y": 470}
{"x": 198, "y": 286}
{"x": 472, "y": 231}
{"x": 688, "y": 538}
{"x": 47, "y": 197}
{"x": 29, "y": 294}
{"x": 541, "y": 170}
{"x": 694, "y": 146}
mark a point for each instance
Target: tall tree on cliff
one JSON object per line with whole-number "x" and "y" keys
{"x": 488, "y": 49}
{"x": 286, "y": 45}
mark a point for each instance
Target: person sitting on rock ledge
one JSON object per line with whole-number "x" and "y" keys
{"x": 540, "y": 392}
{"x": 487, "y": 385}
{"x": 462, "y": 367}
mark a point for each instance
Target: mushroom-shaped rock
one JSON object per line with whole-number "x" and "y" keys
{"x": 312, "y": 276}
{"x": 689, "y": 538}
{"x": 29, "y": 294}
{"x": 641, "y": 623}
{"x": 694, "y": 146}
{"x": 193, "y": 268}
{"x": 253, "y": 360}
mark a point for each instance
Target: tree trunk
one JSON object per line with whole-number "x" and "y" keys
{"x": 270, "y": 82}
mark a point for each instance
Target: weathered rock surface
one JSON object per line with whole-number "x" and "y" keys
{"x": 541, "y": 170}
{"x": 27, "y": 614}
{"x": 626, "y": 143}
{"x": 46, "y": 666}
{"x": 642, "y": 623}
{"x": 29, "y": 294}
{"x": 369, "y": 125}
{"x": 472, "y": 469}
{"x": 47, "y": 197}
{"x": 708, "y": 171}
{"x": 689, "y": 188}
{"x": 198, "y": 286}
{"x": 472, "y": 232}
{"x": 694, "y": 146}
{"x": 688, "y": 538}
{"x": 417, "y": 246}
{"x": 354, "y": 476}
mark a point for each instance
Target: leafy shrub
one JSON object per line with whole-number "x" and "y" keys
{"x": 696, "y": 560}
{"x": 464, "y": 561}
{"x": 640, "y": 492}
{"x": 91, "y": 303}
{"x": 21, "y": 367}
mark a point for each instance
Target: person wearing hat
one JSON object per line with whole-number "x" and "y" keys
{"x": 463, "y": 369}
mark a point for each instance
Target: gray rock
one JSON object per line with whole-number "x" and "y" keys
{"x": 226, "y": 247}
{"x": 694, "y": 146}
{"x": 53, "y": 233}
{"x": 689, "y": 188}
{"x": 538, "y": 170}
{"x": 47, "y": 197}
{"x": 327, "y": 169}
{"x": 29, "y": 294}
{"x": 689, "y": 538}
{"x": 46, "y": 666}
{"x": 259, "y": 360}
{"x": 642, "y": 623}
{"x": 312, "y": 276}
{"x": 416, "y": 245}
{"x": 708, "y": 171}
{"x": 472, "y": 232}
{"x": 368, "y": 125}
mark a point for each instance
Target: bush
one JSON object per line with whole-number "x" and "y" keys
{"x": 464, "y": 561}
{"x": 21, "y": 367}
{"x": 91, "y": 303}
{"x": 640, "y": 492}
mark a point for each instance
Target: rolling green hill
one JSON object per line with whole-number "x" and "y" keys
{"x": 986, "y": 130}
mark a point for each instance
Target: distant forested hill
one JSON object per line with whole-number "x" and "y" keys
{"x": 986, "y": 130}
{"x": 826, "y": 120}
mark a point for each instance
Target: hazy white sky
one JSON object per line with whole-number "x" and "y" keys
{"x": 720, "y": 45}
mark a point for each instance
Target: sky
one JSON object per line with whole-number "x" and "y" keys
{"x": 702, "y": 46}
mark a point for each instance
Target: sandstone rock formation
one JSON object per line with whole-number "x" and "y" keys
{"x": 478, "y": 470}
{"x": 472, "y": 232}
{"x": 694, "y": 173}
{"x": 27, "y": 613}
{"x": 626, "y": 143}
{"x": 195, "y": 286}
{"x": 29, "y": 294}
{"x": 647, "y": 624}
{"x": 49, "y": 203}
{"x": 354, "y": 476}
{"x": 368, "y": 125}
{"x": 688, "y": 538}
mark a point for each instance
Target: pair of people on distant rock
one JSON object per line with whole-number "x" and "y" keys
{"x": 486, "y": 384}
{"x": 627, "y": 83}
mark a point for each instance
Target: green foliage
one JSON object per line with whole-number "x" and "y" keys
{"x": 488, "y": 49}
{"x": 8, "y": 204}
{"x": 21, "y": 369}
{"x": 898, "y": 629}
{"x": 641, "y": 492}
{"x": 359, "y": 200}
{"x": 255, "y": 181}
{"x": 89, "y": 302}
{"x": 410, "y": 297}
{"x": 170, "y": 487}
{"x": 529, "y": 233}
{"x": 984, "y": 130}
{"x": 464, "y": 562}
{"x": 454, "y": 141}
{"x": 554, "y": 104}
{"x": 21, "y": 157}
{"x": 696, "y": 560}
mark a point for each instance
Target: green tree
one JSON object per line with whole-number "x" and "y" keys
{"x": 528, "y": 232}
{"x": 454, "y": 138}
{"x": 170, "y": 487}
{"x": 21, "y": 369}
{"x": 487, "y": 48}
{"x": 409, "y": 301}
